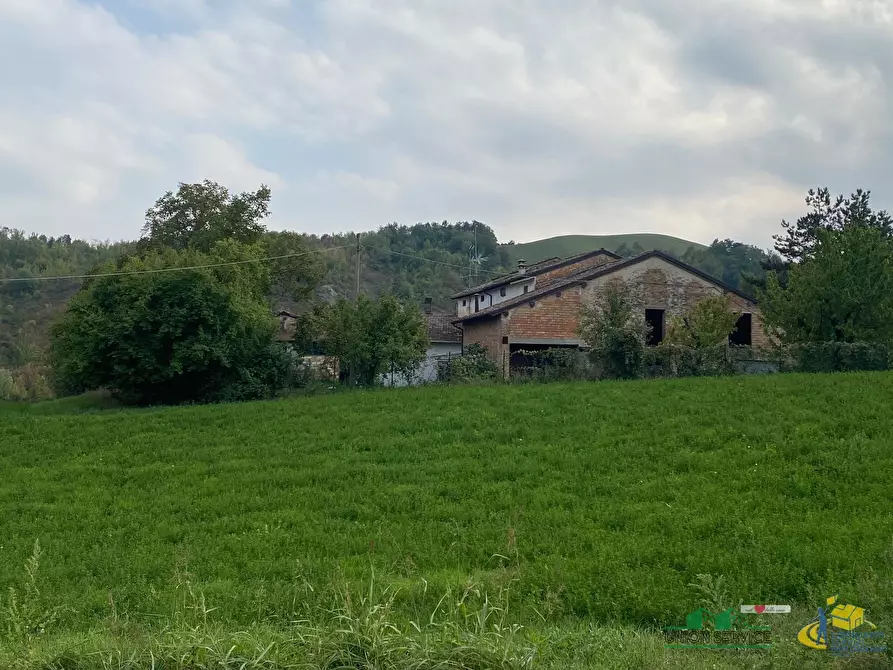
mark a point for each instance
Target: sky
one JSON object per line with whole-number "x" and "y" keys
{"x": 701, "y": 119}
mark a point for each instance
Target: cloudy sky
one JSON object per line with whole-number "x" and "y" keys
{"x": 695, "y": 118}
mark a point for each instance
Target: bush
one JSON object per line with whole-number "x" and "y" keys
{"x": 173, "y": 337}
{"x": 7, "y": 385}
{"x": 28, "y": 382}
{"x": 837, "y": 356}
{"x": 708, "y": 323}
{"x": 616, "y": 335}
{"x": 675, "y": 360}
{"x": 474, "y": 364}
{"x": 553, "y": 364}
{"x": 368, "y": 337}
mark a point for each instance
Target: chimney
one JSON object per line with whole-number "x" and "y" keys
{"x": 522, "y": 266}
{"x": 427, "y": 308}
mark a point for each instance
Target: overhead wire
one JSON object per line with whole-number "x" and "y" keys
{"x": 173, "y": 269}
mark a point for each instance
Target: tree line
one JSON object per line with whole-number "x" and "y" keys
{"x": 206, "y": 332}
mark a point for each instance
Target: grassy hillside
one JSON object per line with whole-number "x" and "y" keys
{"x": 599, "y": 502}
{"x": 568, "y": 245}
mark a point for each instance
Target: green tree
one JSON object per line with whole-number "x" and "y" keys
{"x": 841, "y": 292}
{"x": 369, "y": 337}
{"x": 732, "y": 262}
{"x": 199, "y": 215}
{"x": 191, "y": 335}
{"x": 707, "y": 323}
{"x": 801, "y": 237}
{"x": 615, "y": 333}
{"x": 297, "y": 268}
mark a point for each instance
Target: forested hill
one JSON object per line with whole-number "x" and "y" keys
{"x": 411, "y": 262}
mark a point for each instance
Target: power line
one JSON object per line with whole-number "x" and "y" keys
{"x": 430, "y": 260}
{"x": 175, "y": 269}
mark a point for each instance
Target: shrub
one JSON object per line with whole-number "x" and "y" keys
{"x": 193, "y": 335}
{"x": 708, "y": 323}
{"x": 838, "y": 356}
{"x": 615, "y": 333}
{"x": 28, "y": 382}
{"x": 553, "y": 364}
{"x": 368, "y": 337}
{"x": 674, "y": 360}
{"x": 7, "y": 385}
{"x": 474, "y": 364}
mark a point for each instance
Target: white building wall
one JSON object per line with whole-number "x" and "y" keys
{"x": 427, "y": 371}
{"x": 493, "y": 297}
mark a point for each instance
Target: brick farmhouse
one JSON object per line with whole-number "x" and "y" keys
{"x": 538, "y": 306}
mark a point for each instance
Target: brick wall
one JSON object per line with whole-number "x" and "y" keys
{"x": 656, "y": 284}
{"x": 552, "y": 317}
{"x": 591, "y": 262}
{"x": 487, "y": 332}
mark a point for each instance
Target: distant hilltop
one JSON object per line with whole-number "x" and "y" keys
{"x": 563, "y": 246}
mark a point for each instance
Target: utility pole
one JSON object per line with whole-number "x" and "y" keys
{"x": 357, "y": 295}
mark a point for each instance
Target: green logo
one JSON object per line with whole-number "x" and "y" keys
{"x": 726, "y": 630}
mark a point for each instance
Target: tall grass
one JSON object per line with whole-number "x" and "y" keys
{"x": 557, "y": 525}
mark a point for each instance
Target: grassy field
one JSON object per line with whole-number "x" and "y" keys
{"x": 585, "y": 512}
{"x": 569, "y": 245}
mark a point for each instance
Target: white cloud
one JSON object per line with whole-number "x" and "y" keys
{"x": 697, "y": 119}
{"x": 211, "y": 157}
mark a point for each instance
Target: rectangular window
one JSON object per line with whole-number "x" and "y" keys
{"x": 742, "y": 334}
{"x": 463, "y": 303}
{"x": 502, "y": 291}
{"x": 655, "y": 319}
{"x": 525, "y": 289}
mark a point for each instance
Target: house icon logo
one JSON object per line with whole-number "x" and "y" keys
{"x": 841, "y": 629}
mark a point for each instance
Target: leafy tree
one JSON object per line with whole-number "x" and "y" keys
{"x": 199, "y": 215}
{"x": 801, "y": 237}
{"x": 615, "y": 333}
{"x": 732, "y": 262}
{"x": 707, "y": 323}
{"x": 773, "y": 264}
{"x": 169, "y": 337}
{"x": 368, "y": 337}
{"x": 841, "y": 292}
{"x": 295, "y": 271}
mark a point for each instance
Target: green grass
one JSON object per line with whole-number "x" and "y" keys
{"x": 588, "y": 504}
{"x": 569, "y": 245}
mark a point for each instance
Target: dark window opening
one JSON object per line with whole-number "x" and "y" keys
{"x": 502, "y": 291}
{"x": 741, "y": 336}
{"x": 463, "y": 303}
{"x": 655, "y": 320}
{"x": 477, "y": 303}
{"x": 525, "y": 289}
{"x": 505, "y": 340}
